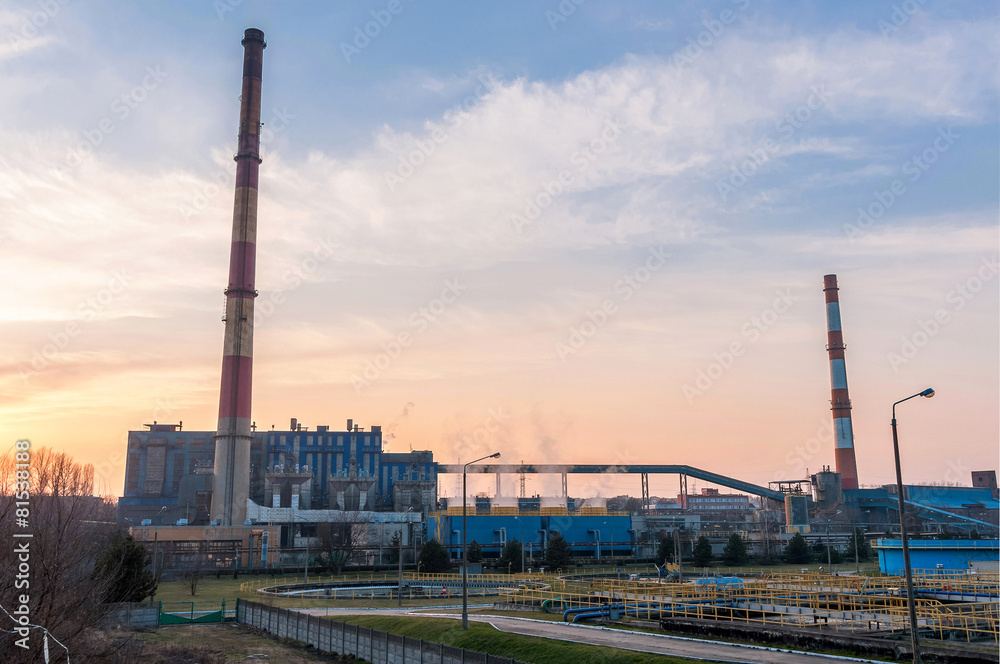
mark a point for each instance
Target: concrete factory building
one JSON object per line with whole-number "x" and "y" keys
{"x": 169, "y": 473}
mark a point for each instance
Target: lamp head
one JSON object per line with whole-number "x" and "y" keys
{"x": 497, "y": 454}
{"x": 929, "y": 392}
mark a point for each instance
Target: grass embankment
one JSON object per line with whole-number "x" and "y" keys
{"x": 176, "y": 595}
{"x": 219, "y": 643}
{"x": 486, "y": 638}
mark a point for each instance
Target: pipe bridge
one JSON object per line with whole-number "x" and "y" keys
{"x": 599, "y": 469}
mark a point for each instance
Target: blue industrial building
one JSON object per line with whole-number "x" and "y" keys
{"x": 947, "y": 555}
{"x": 591, "y": 536}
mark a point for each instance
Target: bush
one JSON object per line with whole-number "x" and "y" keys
{"x": 834, "y": 556}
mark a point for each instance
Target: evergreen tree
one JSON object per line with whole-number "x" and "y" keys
{"x": 394, "y": 547}
{"x": 797, "y": 551}
{"x": 121, "y": 571}
{"x": 433, "y": 558}
{"x": 557, "y": 553}
{"x": 702, "y": 552}
{"x": 864, "y": 550}
{"x": 665, "y": 551}
{"x": 475, "y": 552}
{"x": 510, "y": 557}
{"x": 735, "y": 552}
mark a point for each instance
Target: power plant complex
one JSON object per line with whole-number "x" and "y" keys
{"x": 240, "y": 497}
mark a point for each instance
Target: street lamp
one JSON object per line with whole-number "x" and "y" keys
{"x": 465, "y": 539}
{"x": 914, "y": 638}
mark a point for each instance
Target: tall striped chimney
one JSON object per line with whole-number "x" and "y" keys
{"x": 232, "y": 440}
{"x": 840, "y": 401}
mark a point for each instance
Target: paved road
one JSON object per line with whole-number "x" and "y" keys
{"x": 616, "y": 638}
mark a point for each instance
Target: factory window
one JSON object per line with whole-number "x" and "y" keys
{"x": 179, "y": 460}
{"x": 340, "y": 441}
{"x": 132, "y": 474}
{"x": 309, "y": 441}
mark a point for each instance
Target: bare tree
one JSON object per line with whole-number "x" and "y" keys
{"x": 49, "y": 503}
{"x": 192, "y": 577}
{"x": 341, "y": 540}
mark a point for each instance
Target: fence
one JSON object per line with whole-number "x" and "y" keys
{"x": 132, "y": 614}
{"x": 183, "y": 613}
{"x": 252, "y": 585}
{"x": 372, "y": 645}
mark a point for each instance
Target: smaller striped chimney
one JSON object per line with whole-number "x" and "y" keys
{"x": 840, "y": 401}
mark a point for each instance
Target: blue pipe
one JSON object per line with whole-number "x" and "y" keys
{"x": 605, "y": 610}
{"x": 593, "y": 614}
{"x": 567, "y": 612}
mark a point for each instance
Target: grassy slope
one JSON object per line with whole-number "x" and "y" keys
{"x": 236, "y": 642}
{"x": 485, "y": 638}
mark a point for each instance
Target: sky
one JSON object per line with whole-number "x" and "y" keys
{"x": 566, "y": 231}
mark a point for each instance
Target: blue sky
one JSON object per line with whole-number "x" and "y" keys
{"x": 417, "y": 159}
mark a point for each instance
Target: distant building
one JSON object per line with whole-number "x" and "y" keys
{"x": 712, "y": 500}
{"x": 986, "y": 479}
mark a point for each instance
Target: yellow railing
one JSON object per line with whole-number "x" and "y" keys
{"x": 799, "y": 600}
{"x": 253, "y": 585}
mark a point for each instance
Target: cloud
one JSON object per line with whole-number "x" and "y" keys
{"x": 643, "y": 140}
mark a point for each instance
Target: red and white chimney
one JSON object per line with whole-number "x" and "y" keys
{"x": 232, "y": 440}
{"x": 840, "y": 401}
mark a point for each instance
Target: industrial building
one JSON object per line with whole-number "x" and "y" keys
{"x": 169, "y": 473}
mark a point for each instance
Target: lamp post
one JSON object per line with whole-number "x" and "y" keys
{"x": 465, "y": 539}
{"x": 914, "y": 638}
{"x": 522, "y": 550}
{"x": 401, "y": 565}
{"x": 854, "y": 536}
